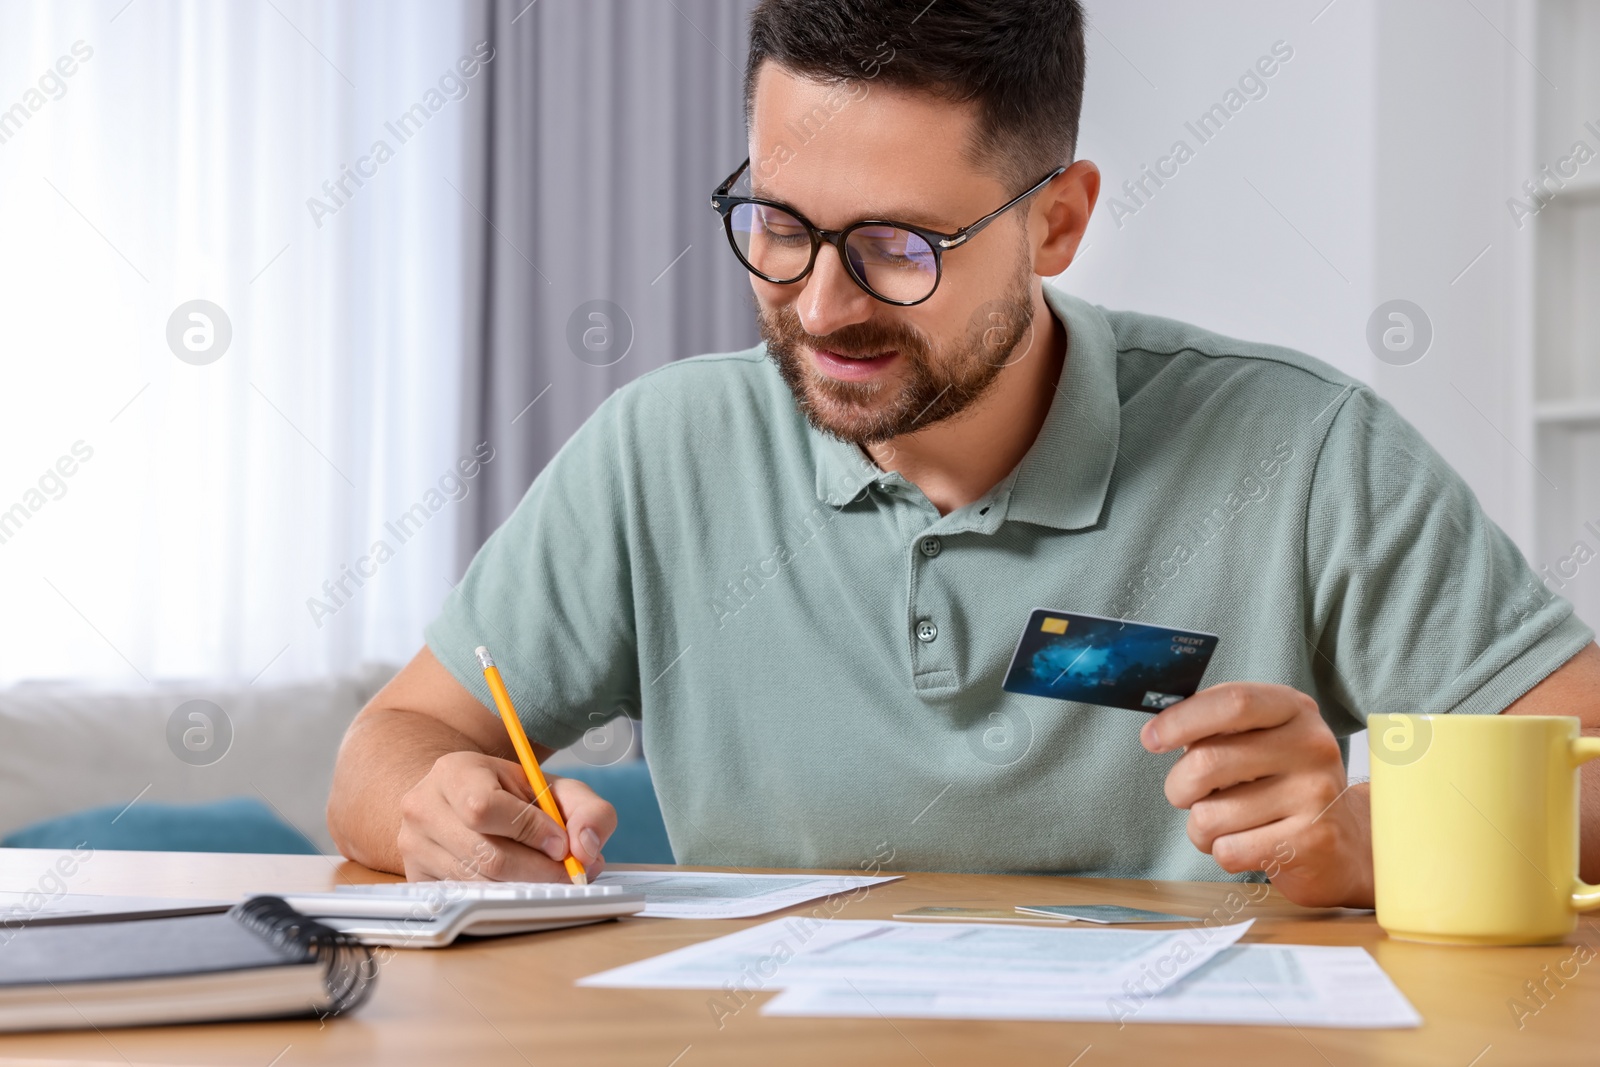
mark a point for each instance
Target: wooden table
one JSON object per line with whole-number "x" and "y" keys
{"x": 512, "y": 1000}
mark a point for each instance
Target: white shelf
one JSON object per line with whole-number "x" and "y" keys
{"x": 1563, "y": 275}
{"x": 1567, "y": 411}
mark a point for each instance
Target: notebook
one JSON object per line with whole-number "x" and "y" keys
{"x": 434, "y": 914}
{"x": 259, "y": 960}
{"x": 34, "y": 909}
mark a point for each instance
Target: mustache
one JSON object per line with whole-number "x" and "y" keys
{"x": 856, "y": 339}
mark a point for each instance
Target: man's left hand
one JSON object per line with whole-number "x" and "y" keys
{"x": 1265, "y": 788}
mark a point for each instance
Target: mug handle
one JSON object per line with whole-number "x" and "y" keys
{"x": 1585, "y": 897}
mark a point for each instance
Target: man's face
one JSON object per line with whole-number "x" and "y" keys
{"x": 841, "y": 154}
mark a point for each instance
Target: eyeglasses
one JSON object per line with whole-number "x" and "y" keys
{"x": 893, "y": 261}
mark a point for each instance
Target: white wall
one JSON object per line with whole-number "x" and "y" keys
{"x": 1376, "y": 166}
{"x": 1211, "y": 246}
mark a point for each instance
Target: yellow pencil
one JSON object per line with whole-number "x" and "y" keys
{"x": 530, "y": 765}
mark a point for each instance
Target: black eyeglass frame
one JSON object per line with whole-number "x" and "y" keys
{"x": 723, "y": 204}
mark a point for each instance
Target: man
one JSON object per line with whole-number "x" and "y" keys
{"x": 804, "y": 567}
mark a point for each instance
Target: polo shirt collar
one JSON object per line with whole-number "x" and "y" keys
{"x": 843, "y": 469}
{"x": 1062, "y": 479}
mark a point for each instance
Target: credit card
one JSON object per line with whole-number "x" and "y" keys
{"x": 1116, "y": 663}
{"x": 1103, "y": 913}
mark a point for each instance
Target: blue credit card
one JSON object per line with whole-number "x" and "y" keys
{"x": 1116, "y": 663}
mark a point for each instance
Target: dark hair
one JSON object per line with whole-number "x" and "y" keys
{"x": 1021, "y": 61}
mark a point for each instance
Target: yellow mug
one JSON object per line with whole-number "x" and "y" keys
{"x": 1475, "y": 827}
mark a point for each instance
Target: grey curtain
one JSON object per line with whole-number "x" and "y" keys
{"x": 592, "y": 252}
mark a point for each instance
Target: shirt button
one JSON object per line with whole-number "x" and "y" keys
{"x": 926, "y": 631}
{"x": 931, "y": 547}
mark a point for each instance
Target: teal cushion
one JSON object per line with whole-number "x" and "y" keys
{"x": 641, "y": 835}
{"x": 237, "y": 824}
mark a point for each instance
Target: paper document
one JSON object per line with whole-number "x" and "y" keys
{"x": 1265, "y": 985}
{"x": 978, "y": 915}
{"x": 1106, "y": 914}
{"x": 873, "y": 955}
{"x": 706, "y": 895}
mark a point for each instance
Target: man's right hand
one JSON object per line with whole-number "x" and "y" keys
{"x": 472, "y": 817}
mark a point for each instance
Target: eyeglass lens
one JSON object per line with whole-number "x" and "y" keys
{"x": 890, "y": 262}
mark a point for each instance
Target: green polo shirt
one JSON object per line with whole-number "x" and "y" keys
{"x": 814, "y": 654}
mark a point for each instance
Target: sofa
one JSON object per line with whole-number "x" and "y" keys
{"x": 205, "y": 767}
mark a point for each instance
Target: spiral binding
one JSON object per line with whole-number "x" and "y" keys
{"x": 349, "y": 968}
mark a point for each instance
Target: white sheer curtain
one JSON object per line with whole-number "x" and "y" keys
{"x": 163, "y": 519}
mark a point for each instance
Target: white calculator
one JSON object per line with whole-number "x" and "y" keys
{"x": 433, "y": 914}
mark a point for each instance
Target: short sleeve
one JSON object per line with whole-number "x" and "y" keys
{"x": 1417, "y": 601}
{"x": 549, "y": 594}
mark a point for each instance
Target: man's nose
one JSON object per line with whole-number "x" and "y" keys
{"x": 829, "y": 298}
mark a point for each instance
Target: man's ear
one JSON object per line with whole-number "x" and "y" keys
{"x": 1060, "y": 214}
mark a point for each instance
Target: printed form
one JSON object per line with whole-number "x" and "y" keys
{"x": 876, "y": 956}
{"x": 708, "y": 895}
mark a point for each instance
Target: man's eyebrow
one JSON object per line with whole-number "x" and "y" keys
{"x": 914, "y": 216}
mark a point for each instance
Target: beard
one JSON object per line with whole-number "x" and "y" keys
{"x": 937, "y": 382}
